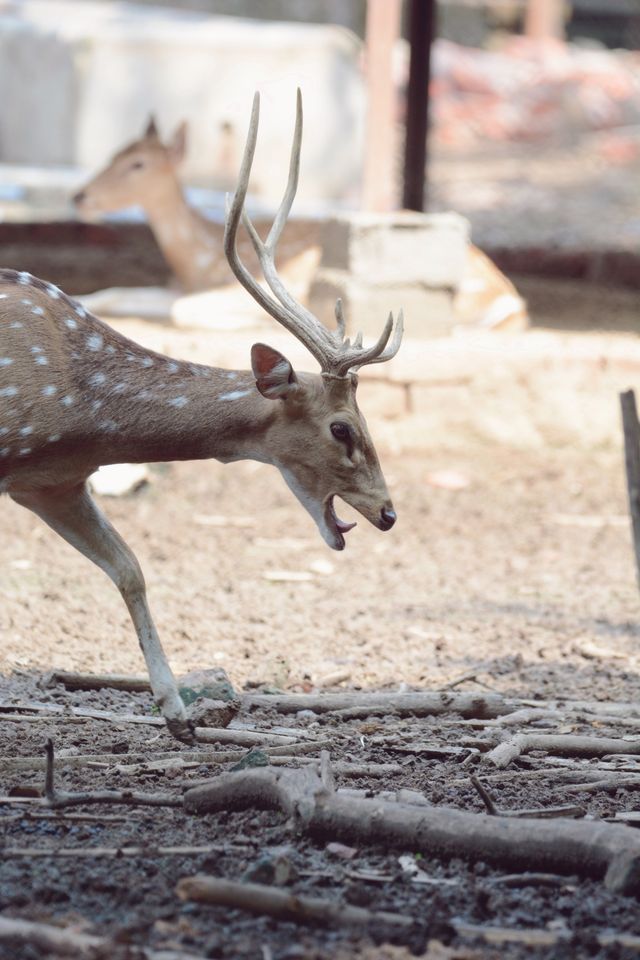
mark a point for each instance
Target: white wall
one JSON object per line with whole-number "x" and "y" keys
{"x": 79, "y": 80}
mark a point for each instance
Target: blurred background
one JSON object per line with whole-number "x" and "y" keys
{"x": 523, "y": 116}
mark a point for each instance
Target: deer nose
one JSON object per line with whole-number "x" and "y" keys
{"x": 79, "y": 197}
{"x": 387, "y": 518}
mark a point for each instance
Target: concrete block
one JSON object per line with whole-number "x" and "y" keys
{"x": 402, "y": 247}
{"x": 366, "y": 306}
{"x": 376, "y": 263}
{"x": 79, "y": 80}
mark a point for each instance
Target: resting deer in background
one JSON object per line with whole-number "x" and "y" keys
{"x": 75, "y": 394}
{"x": 145, "y": 174}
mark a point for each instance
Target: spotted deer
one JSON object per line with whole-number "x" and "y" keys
{"x": 145, "y": 174}
{"x": 75, "y": 394}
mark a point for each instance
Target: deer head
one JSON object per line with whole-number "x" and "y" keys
{"x": 137, "y": 175}
{"x": 317, "y": 436}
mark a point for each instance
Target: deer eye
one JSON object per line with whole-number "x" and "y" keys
{"x": 137, "y": 165}
{"x": 342, "y": 432}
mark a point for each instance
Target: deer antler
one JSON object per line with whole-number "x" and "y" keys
{"x": 335, "y": 354}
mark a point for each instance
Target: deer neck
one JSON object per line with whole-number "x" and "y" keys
{"x": 201, "y": 413}
{"x": 187, "y": 241}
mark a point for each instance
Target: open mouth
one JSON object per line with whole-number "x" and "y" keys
{"x": 335, "y": 525}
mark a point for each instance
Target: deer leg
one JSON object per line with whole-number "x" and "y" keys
{"x": 73, "y": 514}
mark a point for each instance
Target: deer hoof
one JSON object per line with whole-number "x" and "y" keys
{"x": 182, "y": 729}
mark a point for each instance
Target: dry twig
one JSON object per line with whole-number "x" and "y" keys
{"x": 282, "y": 904}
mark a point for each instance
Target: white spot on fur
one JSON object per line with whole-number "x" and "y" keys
{"x": 97, "y": 378}
{"x": 6, "y": 361}
{"x": 234, "y": 395}
{"x": 120, "y": 387}
{"x": 16, "y": 325}
{"x": 42, "y": 361}
{"x": 37, "y": 349}
{"x": 4, "y": 451}
{"x": 95, "y": 406}
{"x": 53, "y": 438}
{"x": 25, "y": 431}
{"x": 3, "y": 296}
{"x": 147, "y": 362}
{"x": 68, "y": 400}
{"x": 49, "y": 390}
{"x": 110, "y": 426}
{"x": 110, "y": 348}
{"x": 24, "y": 451}
{"x": 172, "y": 366}
{"x": 4, "y": 431}
{"x": 80, "y": 310}
{"x": 178, "y": 401}
{"x": 53, "y": 291}
{"x": 39, "y": 312}
{"x": 8, "y": 392}
{"x": 71, "y": 322}
{"x": 204, "y": 259}
{"x": 94, "y": 342}
{"x": 231, "y": 375}
{"x": 26, "y": 301}
{"x": 24, "y": 277}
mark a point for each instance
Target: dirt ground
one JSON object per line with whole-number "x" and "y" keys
{"x": 509, "y": 570}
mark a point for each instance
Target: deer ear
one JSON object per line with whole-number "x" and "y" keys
{"x": 177, "y": 146}
{"x": 275, "y": 377}
{"x": 151, "y": 129}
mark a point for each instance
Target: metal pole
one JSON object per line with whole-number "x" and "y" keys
{"x": 421, "y": 29}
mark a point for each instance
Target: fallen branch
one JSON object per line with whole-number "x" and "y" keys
{"x": 282, "y": 904}
{"x": 537, "y": 813}
{"x": 98, "y": 681}
{"x": 535, "y": 937}
{"x": 418, "y": 704}
{"x": 99, "y": 853}
{"x": 243, "y": 738}
{"x": 70, "y": 943}
{"x": 287, "y": 750}
{"x": 62, "y": 798}
{"x": 565, "y": 746}
{"x": 587, "y": 848}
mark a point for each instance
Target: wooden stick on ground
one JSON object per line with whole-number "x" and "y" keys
{"x": 274, "y": 902}
{"x": 541, "y": 813}
{"x": 561, "y": 744}
{"x": 422, "y": 703}
{"x": 586, "y": 848}
{"x": 98, "y": 681}
{"x": 58, "y": 942}
{"x": 631, "y": 432}
{"x": 61, "y": 798}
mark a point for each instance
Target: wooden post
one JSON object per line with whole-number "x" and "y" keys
{"x": 421, "y": 26}
{"x": 382, "y": 32}
{"x": 631, "y": 430}
{"x": 544, "y": 18}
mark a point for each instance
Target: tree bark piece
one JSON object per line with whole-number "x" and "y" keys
{"x": 561, "y": 846}
{"x": 259, "y": 899}
{"x": 420, "y": 704}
